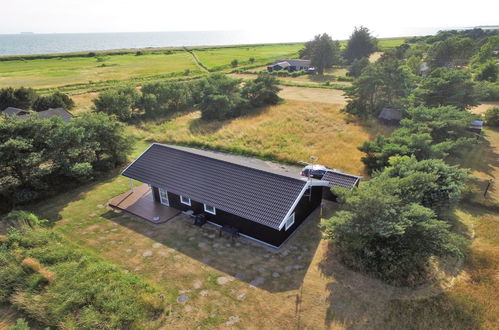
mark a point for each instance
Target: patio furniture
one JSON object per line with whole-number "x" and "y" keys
{"x": 199, "y": 219}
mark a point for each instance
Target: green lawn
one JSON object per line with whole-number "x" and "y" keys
{"x": 214, "y": 58}
{"x": 389, "y": 43}
{"x": 70, "y": 70}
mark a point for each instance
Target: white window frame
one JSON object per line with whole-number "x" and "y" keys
{"x": 289, "y": 223}
{"x": 183, "y": 200}
{"x": 214, "y": 211}
{"x": 163, "y": 197}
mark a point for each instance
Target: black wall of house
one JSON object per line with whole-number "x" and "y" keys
{"x": 247, "y": 227}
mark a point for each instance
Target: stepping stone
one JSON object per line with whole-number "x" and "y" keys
{"x": 257, "y": 281}
{"x": 163, "y": 253}
{"x": 204, "y": 293}
{"x": 276, "y": 275}
{"x": 240, "y": 276}
{"x": 223, "y": 280}
{"x": 147, "y": 253}
{"x": 232, "y": 320}
{"x": 238, "y": 244}
{"x": 201, "y": 245}
{"x": 100, "y": 206}
{"x": 188, "y": 308}
{"x": 241, "y": 296}
{"x": 128, "y": 250}
{"x": 211, "y": 236}
{"x": 182, "y": 299}
{"x": 114, "y": 229}
{"x": 288, "y": 268}
{"x": 197, "y": 284}
{"x": 297, "y": 266}
{"x": 157, "y": 245}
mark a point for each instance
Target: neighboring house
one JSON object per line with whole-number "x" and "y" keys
{"x": 64, "y": 114}
{"x": 424, "y": 69}
{"x": 11, "y": 111}
{"x": 476, "y": 126}
{"x": 390, "y": 115}
{"x": 264, "y": 203}
{"x": 290, "y": 65}
{"x": 495, "y": 53}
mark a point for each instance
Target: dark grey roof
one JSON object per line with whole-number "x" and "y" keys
{"x": 64, "y": 114}
{"x": 11, "y": 111}
{"x": 390, "y": 114}
{"x": 339, "y": 179}
{"x": 245, "y": 189}
{"x": 294, "y": 62}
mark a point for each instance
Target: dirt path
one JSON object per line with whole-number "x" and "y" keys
{"x": 198, "y": 62}
{"x": 482, "y": 108}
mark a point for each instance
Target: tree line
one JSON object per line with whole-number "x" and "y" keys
{"x": 42, "y": 157}
{"x": 27, "y": 98}
{"x": 393, "y": 225}
{"x": 218, "y": 97}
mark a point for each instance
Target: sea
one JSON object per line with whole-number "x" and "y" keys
{"x": 28, "y": 43}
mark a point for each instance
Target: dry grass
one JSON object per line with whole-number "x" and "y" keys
{"x": 35, "y": 266}
{"x": 289, "y": 132}
{"x": 483, "y": 107}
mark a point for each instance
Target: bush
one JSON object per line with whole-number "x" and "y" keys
{"x": 487, "y": 91}
{"x": 262, "y": 91}
{"x": 234, "y": 63}
{"x": 382, "y": 230}
{"x": 120, "y": 102}
{"x": 21, "y": 324}
{"x": 492, "y": 117}
{"x": 21, "y": 97}
{"x": 56, "y": 100}
{"x": 88, "y": 293}
{"x": 252, "y": 60}
{"x": 488, "y": 72}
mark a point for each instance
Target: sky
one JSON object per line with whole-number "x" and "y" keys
{"x": 307, "y": 18}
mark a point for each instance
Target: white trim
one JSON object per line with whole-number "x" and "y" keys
{"x": 161, "y": 200}
{"x": 188, "y": 202}
{"x": 287, "y": 224}
{"x": 292, "y": 208}
{"x": 214, "y": 212}
{"x": 138, "y": 158}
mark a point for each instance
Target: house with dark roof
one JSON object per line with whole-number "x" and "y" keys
{"x": 11, "y": 111}
{"x": 289, "y": 65}
{"x": 62, "y": 113}
{"x": 390, "y": 115}
{"x": 264, "y": 201}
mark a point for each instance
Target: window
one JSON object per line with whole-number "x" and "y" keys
{"x": 210, "y": 209}
{"x": 185, "y": 200}
{"x": 290, "y": 221}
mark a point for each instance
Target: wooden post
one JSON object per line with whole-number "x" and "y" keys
{"x": 487, "y": 188}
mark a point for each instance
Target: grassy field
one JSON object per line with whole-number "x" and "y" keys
{"x": 214, "y": 58}
{"x": 63, "y": 71}
{"x": 289, "y": 132}
{"x": 78, "y": 74}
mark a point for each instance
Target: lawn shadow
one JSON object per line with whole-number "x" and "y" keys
{"x": 357, "y": 301}
{"x": 273, "y": 270}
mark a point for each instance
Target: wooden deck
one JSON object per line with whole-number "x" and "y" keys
{"x": 140, "y": 202}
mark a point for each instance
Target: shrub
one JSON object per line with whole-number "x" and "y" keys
{"x": 119, "y": 102}
{"x": 21, "y": 97}
{"x": 383, "y": 232}
{"x": 21, "y": 324}
{"x": 262, "y": 91}
{"x": 234, "y": 63}
{"x": 91, "y": 54}
{"x": 488, "y": 72}
{"x": 139, "y": 53}
{"x": 492, "y": 117}
{"x": 487, "y": 91}
{"x": 252, "y": 60}
{"x": 87, "y": 294}
{"x": 56, "y": 100}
